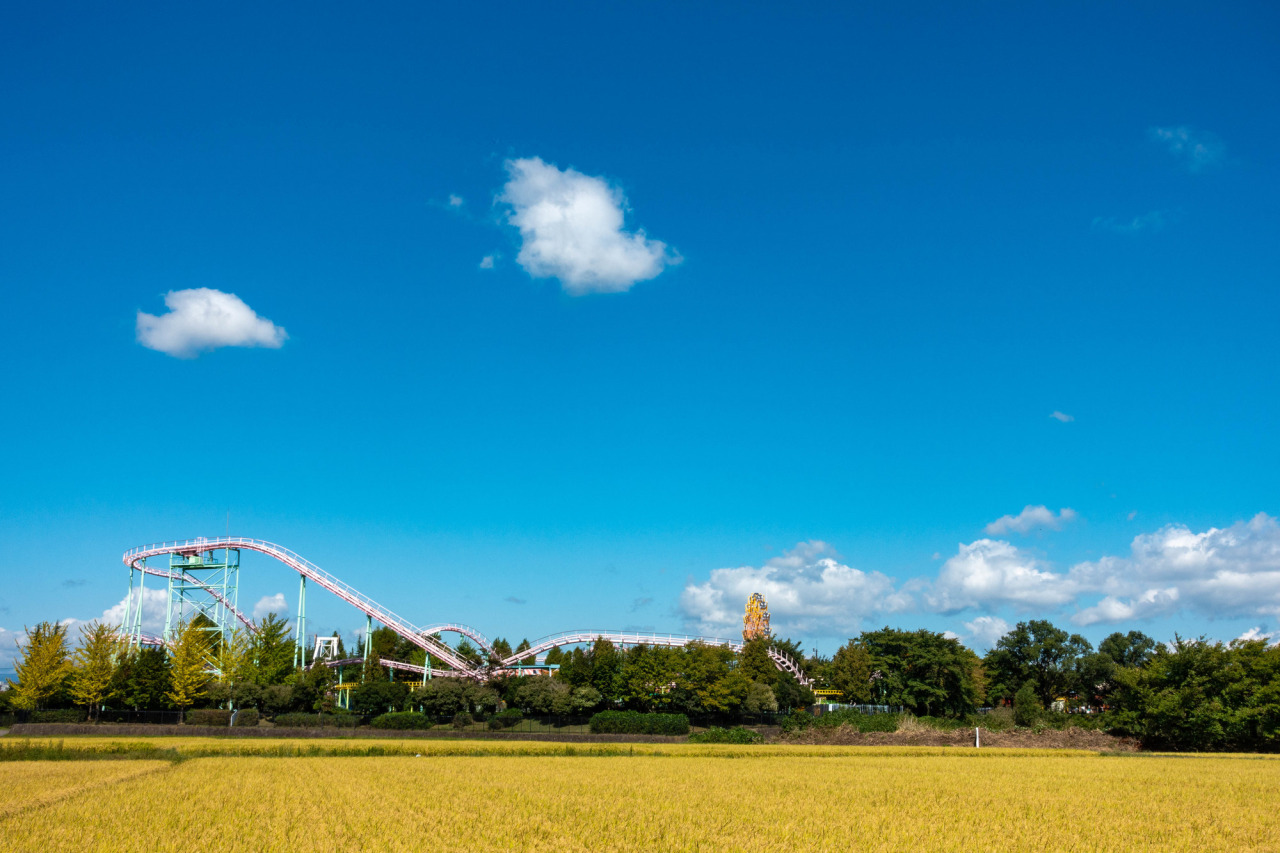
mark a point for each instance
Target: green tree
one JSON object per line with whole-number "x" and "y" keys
{"x": 1026, "y": 705}
{"x": 146, "y": 672}
{"x": 271, "y": 651}
{"x": 851, "y": 672}
{"x": 790, "y": 693}
{"x": 441, "y": 697}
{"x": 1039, "y": 652}
{"x": 1132, "y": 649}
{"x": 646, "y": 677}
{"x": 759, "y": 698}
{"x": 233, "y": 657}
{"x": 43, "y": 666}
{"x": 501, "y": 651}
{"x": 1200, "y": 695}
{"x": 524, "y": 647}
{"x": 755, "y": 663}
{"x": 94, "y": 665}
{"x": 606, "y": 668}
{"x": 927, "y": 672}
{"x": 554, "y": 656}
{"x": 189, "y": 666}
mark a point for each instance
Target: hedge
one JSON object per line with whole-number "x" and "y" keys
{"x": 315, "y": 721}
{"x": 63, "y": 715}
{"x": 800, "y": 720}
{"x": 401, "y": 720}
{"x": 222, "y": 717}
{"x": 737, "y": 734}
{"x": 505, "y": 719}
{"x": 636, "y": 723}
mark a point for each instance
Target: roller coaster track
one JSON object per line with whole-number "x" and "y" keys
{"x": 421, "y": 636}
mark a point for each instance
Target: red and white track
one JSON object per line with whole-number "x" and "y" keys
{"x": 421, "y": 636}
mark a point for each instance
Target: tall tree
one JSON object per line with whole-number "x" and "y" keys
{"x": 851, "y": 672}
{"x": 189, "y": 666}
{"x": 94, "y": 665}
{"x": 147, "y": 680}
{"x": 1036, "y": 651}
{"x": 524, "y": 647}
{"x": 501, "y": 651}
{"x": 755, "y": 663}
{"x": 43, "y": 666}
{"x": 927, "y": 672}
{"x": 1132, "y": 649}
{"x": 272, "y": 651}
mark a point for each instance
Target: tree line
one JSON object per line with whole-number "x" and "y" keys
{"x": 1192, "y": 694}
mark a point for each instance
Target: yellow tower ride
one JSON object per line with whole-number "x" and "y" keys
{"x": 756, "y": 621}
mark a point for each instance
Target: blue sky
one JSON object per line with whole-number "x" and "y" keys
{"x": 549, "y": 317}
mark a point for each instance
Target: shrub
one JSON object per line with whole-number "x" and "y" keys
{"x": 246, "y": 717}
{"x": 797, "y": 721}
{"x": 401, "y": 720}
{"x": 315, "y": 720}
{"x": 737, "y": 734}
{"x": 209, "y": 717}
{"x": 858, "y": 720}
{"x": 505, "y": 719}
{"x": 636, "y": 723}
{"x": 1026, "y": 706}
{"x": 62, "y": 715}
{"x": 462, "y": 720}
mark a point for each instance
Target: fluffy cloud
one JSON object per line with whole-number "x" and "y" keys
{"x": 990, "y": 573}
{"x": 486, "y": 263}
{"x": 1153, "y": 221}
{"x": 985, "y": 631}
{"x": 809, "y": 591}
{"x": 571, "y": 226}
{"x": 1197, "y": 150}
{"x": 1030, "y": 518}
{"x": 154, "y": 604}
{"x": 204, "y": 319}
{"x": 1062, "y": 417}
{"x": 271, "y": 604}
{"x": 456, "y": 201}
{"x": 1228, "y": 572}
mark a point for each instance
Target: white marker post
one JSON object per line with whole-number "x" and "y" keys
{"x": 977, "y": 738}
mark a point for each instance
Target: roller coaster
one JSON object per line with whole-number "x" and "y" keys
{"x": 198, "y": 580}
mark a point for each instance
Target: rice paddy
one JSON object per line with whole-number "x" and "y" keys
{"x": 451, "y": 795}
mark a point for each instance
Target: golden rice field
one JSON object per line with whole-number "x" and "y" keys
{"x": 662, "y": 797}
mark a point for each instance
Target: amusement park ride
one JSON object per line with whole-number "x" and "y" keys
{"x": 203, "y": 576}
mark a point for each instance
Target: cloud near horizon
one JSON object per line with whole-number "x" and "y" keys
{"x": 1232, "y": 572}
{"x": 271, "y": 604}
{"x": 808, "y": 590}
{"x": 202, "y": 319}
{"x": 571, "y": 228}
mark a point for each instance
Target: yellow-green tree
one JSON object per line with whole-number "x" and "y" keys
{"x": 43, "y": 666}
{"x": 94, "y": 665}
{"x": 235, "y": 663}
{"x": 188, "y": 666}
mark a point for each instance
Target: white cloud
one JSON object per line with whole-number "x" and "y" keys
{"x": 271, "y": 604}
{"x": 456, "y": 201}
{"x": 571, "y": 226}
{"x": 985, "y": 631}
{"x": 1256, "y": 633}
{"x": 990, "y": 573}
{"x": 1062, "y": 416}
{"x": 1197, "y": 150}
{"x": 204, "y": 319}
{"x": 1228, "y": 572}
{"x": 486, "y": 263}
{"x": 10, "y": 643}
{"x": 1153, "y": 221}
{"x": 809, "y": 591}
{"x": 154, "y": 604}
{"x": 1030, "y": 518}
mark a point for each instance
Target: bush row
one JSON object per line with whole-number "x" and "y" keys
{"x": 346, "y": 721}
{"x": 801, "y": 720}
{"x": 737, "y": 734}
{"x": 636, "y": 723}
{"x": 505, "y": 719}
{"x": 222, "y": 717}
